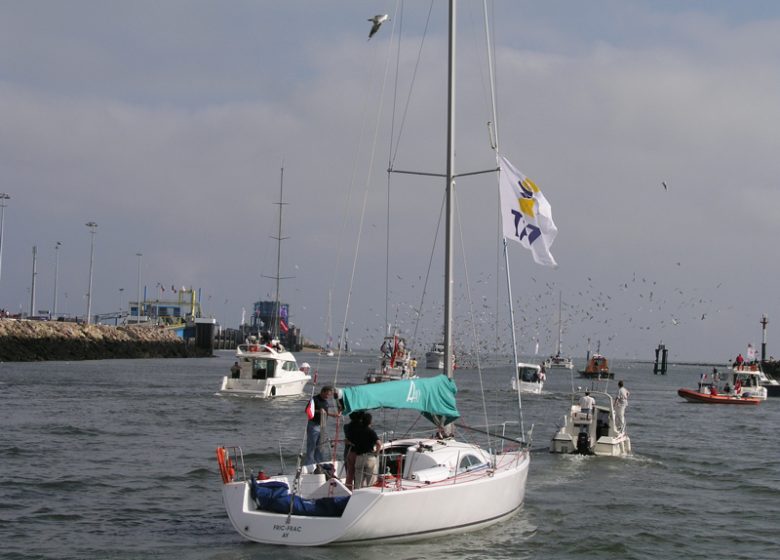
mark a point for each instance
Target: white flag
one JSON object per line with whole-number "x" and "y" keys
{"x": 525, "y": 213}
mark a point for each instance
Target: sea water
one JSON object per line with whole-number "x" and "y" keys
{"x": 116, "y": 459}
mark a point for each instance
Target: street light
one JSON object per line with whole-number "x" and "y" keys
{"x": 3, "y": 198}
{"x": 92, "y": 229}
{"x": 56, "y": 275}
{"x": 138, "y": 303}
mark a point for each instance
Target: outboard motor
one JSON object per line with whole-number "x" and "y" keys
{"x": 583, "y": 443}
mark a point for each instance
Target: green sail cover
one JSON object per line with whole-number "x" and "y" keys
{"x": 433, "y": 396}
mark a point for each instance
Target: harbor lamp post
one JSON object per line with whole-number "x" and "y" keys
{"x": 138, "y": 302}
{"x": 92, "y": 229}
{"x": 4, "y": 197}
{"x": 56, "y": 275}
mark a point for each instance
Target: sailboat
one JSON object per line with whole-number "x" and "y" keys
{"x": 431, "y": 485}
{"x": 327, "y": 348}
{"x": 559, "y": 361}
{"x": 396, "y": 361}
{"x": 264, "y": 368}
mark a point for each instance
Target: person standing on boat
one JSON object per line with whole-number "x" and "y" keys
{"x": 355, "y": 419}
{"x": 316, "y": 423}
{"x": 587, "y": 403}
{"x": 235, "y": 371}
{"x": 366, "y": 444}
{"x": 622, "y": 403}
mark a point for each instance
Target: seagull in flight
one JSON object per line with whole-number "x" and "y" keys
{"x": 664, "y": 184}
{"x": 377, "y": 21}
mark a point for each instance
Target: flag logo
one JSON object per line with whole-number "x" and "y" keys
{"x": 525, "y": 213}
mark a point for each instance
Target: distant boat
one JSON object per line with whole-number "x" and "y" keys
{"x": 327, "y": 349}
{"x": 529, "y": 378}
{"x": 597, "y": 368}
{"x": 396, "y": 362}
{"x": 265, "y": 370}
{"x": 434, "y": 358}
{"x": 559, "y": 361}
{"x": 742, "y": 386}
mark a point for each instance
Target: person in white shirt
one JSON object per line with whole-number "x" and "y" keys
{"x": 620, "y": 409}
{"x": 587, "y": 403}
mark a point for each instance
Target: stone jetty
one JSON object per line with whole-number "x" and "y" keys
{"x": 28, "y": 341}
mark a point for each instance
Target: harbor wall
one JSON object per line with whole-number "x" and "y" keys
{"x": 27, "y": 341}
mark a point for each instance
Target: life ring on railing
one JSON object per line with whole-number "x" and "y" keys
{"x": 226, "y": 468}
{"x": 385, "y": 481}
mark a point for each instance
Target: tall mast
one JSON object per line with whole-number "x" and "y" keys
{"x": 279, "y": 239}
{"x": 560, "y": 325}
{"x": 450, "y": 190}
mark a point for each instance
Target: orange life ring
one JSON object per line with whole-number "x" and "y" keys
{"x": 226, "y": 468}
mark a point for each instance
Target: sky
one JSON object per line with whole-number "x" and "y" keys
{"x": 168, "y": 124}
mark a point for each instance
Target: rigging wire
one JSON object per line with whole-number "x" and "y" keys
{"x": 365, "y": 198}
{"x": 472, "y": 316}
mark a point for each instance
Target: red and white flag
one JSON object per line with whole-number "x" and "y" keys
{"x": 310, "y": 409}
{"x": 283, "y": 326}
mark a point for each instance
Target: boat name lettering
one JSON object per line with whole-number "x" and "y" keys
{"x": 288, "y": 528}
{"x": 414, "y": 394}
{"x": 530, "y": 230}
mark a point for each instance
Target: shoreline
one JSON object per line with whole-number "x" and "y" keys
{"x": 23, "y": 340}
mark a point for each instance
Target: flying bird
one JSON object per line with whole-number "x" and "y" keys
{"x": 664, "y": 184}
{"x": 377, "y": 21}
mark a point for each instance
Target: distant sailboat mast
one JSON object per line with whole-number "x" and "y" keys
{"x": 277, "y": 311}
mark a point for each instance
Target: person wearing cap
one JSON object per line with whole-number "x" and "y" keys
{"x": 305, "y": 367}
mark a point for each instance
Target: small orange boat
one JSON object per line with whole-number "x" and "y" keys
{"x": 695, "y": 396}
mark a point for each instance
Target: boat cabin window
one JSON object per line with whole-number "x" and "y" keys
{"x": 289, "y": 366}
{"x": 468, "y": 462}
{"x": 529, "y": 375}
{"x": 263, "y": 369}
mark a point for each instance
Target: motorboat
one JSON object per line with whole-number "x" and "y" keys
{"x": 434, "y": 358}
{"x": 597, "y": 368}
{"x": 529, "y": 378}
{"x": 429, "y": 486}
{"x": 692, "y": 395}
{"x": 592, "y": 433}
{"x": 769, "y": 383}
{"x": 265, "y": 370}
{"x": 741, "y": 386}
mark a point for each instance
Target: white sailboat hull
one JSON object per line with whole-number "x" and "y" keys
{"x": 375, "y": 514}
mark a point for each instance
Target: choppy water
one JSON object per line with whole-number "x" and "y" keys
{"x": 115, "y": 459}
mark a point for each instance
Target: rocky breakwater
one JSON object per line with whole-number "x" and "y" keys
{"x": 27, "y": 341}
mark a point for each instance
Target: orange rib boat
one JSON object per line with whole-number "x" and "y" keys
{"x": 695, "y": 396}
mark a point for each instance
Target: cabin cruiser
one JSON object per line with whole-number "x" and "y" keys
{"x": 529, "y": 379}
{"x": 265, "y": 370}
